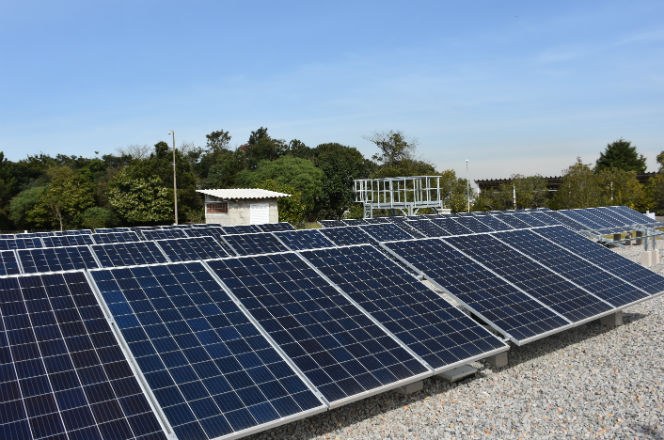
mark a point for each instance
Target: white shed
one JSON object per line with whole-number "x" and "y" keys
{"x": 241, "y": 206}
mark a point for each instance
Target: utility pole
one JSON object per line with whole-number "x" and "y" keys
{"x": 514, "y": 195}
{"x": 467, "y": 187}
{"x": 175, "y": 182}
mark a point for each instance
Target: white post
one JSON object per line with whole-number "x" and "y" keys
{"x": 467, "y": 187}
{"x": 175, "y": 185}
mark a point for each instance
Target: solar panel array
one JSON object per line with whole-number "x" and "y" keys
{"x": 221, "y": 332}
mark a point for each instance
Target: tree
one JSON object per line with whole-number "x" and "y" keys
{"x": 139, "y": 199}
{"x": 618, "y": 187}
{"x": 298, "y": 174}
{"x": 530, "y": 192}
{"x": 393, "y": 147}
{"x": 97, "y": 217}
{"x": 621, "y": 155}
{"x": 341, "y": 165}
{"x": 8, "y": 186}
{"x": 261, "y": 146}
{"x": 68, "y": 194}
{"x": 579, "y": 188}
{"x": 218, "y": 140}
{"x": 26, "y": 210}
{"x": 405, "y": 167}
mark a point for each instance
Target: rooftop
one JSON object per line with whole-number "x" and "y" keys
{"x": 242, "y": 193}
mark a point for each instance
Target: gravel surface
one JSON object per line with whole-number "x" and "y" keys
{"x": 588, "y": 382}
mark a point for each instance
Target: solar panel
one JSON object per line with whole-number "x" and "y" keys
{"x": 62, "y": 372}
{"x": 377, "y": 220}
{"x": 271, "y": 227}
{"x": 493, "y": 223}
{"x": 192, "y": 248}
{"x": 472, "y": 223}
{"x": 56, "y": 259}
{"x": 355, "y": 222}
{"x": 430, "y": 326}
{"x": 579, "y": 217}
{"x": 162, "y": 234}
{"x": 597, "y": 254}
{"x": 536, "y": 280}
{"x": 210, "y": 369}
{"x": 303, "y": 239}
{"x": 254, "y": 244}
{"x": 426, "y": 227}
{"x": 241, "y": 229}
{"x": 8, "y": 263}
{"x": 508, "y": 309}
{"x": 67, "y": 240}
{"x": 614, "y": 220}
{"x": 529, "y": 219}
{"x": 553, "y": 218}
{"x": 595, "y": 280}
{"x": 20, "y": 243}
{"x": 637, "y": 217}
{"x": 128, "y": 254}
{"x": 116, "y": 229}
{"x": 115, "y": 237}
{"x": 339, "y": 349}
{"x": 331, "y": 223}
{"x": 403, "y": 225}
{"x": 452, "y": 226}
{"x": 386, "y": 232}
{"x": 212, "y": 231}
{"x": 347, "y": 235}
{"x": 511, "y": 220}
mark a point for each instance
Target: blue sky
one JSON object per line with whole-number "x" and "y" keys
{"x": 514, "y": 87}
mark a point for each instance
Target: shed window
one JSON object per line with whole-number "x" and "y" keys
{"x": 217, "y": 208}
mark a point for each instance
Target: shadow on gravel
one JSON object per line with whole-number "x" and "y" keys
{"x": 326, "y": 423}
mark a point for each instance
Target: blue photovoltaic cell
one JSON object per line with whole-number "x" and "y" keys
{"x": 192, "y": 248}
{"x": 529, "y": 219}
{"x": 430, "y": 326}
{"x": 511, "y": 311}
{"x": 355, "y": 222}
{"x": 67, "y": 240}
{"x": 511, "y": 220}
{"x": 426, "y": 227}
{"x": 597, "y": 254}
{"x": 472, "y": 223}
{"x": 56, "y": 259}
{"x": 493, "y": 223}
{"x": 551, "y": 218}
{"x": 241, "y": 229}
{"x": 377, "y": 220}
{"x": 116, "y": 237}
{"x": 620, "y": 217}
{"x": 212, "y": 231}
{"x": 162, "y": 234}
{"x": 303, "y": 239}
{"x": 62, "y": 372}
{"x": 347, "y": 235}
{"x": 210, "y": 369}
{"x": 254, "y": 244}
{"x": 20, "y": 243}
{"x": 386, "y": 232}
{"x": 615, "y": 221}
{"x": 107, "y": 230}
{"x": 340, "y": 350}
{"x": 271, "y": 227}
{"x": 452, "y": 226}
{"x": 8, "y": 263}
{"x": 331, "y": 223}
{"x": 578, "y": 216}
{"x": 549, "y": 288}
{"x": 128, "y": 254}
{"x": 595, "y": 280}
{"x": 637, "y": 217}
{"x": 403, "y": 225}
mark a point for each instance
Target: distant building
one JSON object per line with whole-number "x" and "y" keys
{"x": 241, "y": 206}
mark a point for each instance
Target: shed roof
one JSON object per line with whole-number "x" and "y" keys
{"x": 242, "y": 193}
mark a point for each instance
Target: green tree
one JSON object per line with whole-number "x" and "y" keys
{"x": 579, "y": 188}
{"x": 341, "y": 165}
{"x": 26, "y": 210}
{"x": 139, "y": 199}
{"x": 392, "y": 147}
{"x": 97, "y": 217}
{"x": 261, "y": 146}
{"x": 8, "y": 186}
{"x": 619, "y": 187}
{"x": 530, "y": 192}
{"x": 68, "y": 194}
{"x": 622, "y": 155}
{"x": 301, "y": 175}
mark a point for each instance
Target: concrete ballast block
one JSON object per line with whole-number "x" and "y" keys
{"x": 411, "y": 388}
